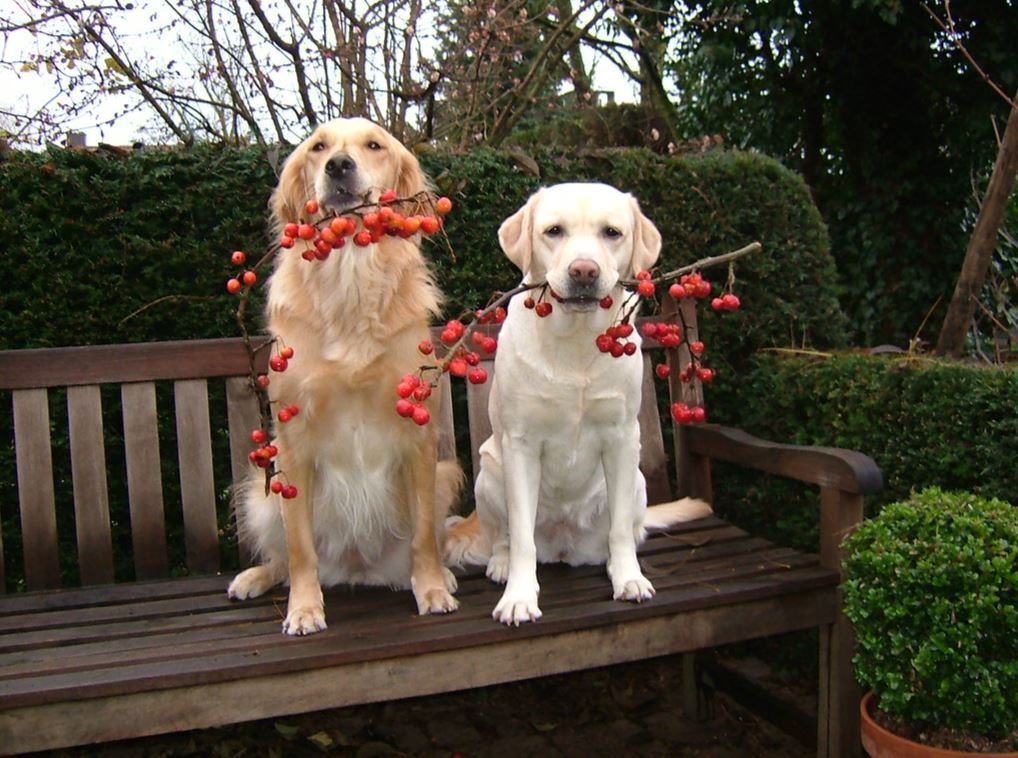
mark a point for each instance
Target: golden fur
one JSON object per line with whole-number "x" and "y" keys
{"x": 366, "y": 510}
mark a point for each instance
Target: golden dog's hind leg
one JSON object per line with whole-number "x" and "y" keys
{"x": 432, "y": 583}
{"x": 305, "y": 610}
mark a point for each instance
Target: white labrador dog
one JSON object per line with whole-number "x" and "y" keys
{"x": 560, "y": 478}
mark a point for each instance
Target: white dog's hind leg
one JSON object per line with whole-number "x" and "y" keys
{"x": 622, "y": 475}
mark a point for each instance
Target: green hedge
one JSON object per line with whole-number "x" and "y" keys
{"x": 925, "y": 423}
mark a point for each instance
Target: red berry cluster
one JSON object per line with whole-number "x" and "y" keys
{"x": 729, "y": 302}
{"x": 690, "y": 285}
{"x": 540, "y": 306}
{"x": 684, "y": 414}
{"x": 413, "y": 391}
{"x": 265, "y": 453}
{"x": 246, "y": 278}
{"x": 324, "y": 237}
{"x": 615, "y": 340}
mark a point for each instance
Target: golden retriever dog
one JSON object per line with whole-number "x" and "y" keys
{"x": 560, "y": 477}
{"x": 371, "y": 498}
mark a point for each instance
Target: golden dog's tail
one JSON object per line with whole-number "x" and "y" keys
{"x": 465, "y": 541}
{"x": 665, "y": 515}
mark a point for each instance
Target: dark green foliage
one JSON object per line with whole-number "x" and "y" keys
{"x": 932, "y": 591}
{"x": 924, "y": 422}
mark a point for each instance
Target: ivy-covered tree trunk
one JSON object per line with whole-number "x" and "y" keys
{"x": 979, "y": 253}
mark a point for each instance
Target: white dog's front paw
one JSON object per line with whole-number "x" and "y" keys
{"x": 634, "y": 589}
{"x": 498, "y": 567}
{"x": 301, "y": 621}
{"x": 250, "y": 583}
{"x": 517, "y": 607}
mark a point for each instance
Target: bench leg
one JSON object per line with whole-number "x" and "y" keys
{"x": 696, "y": 703}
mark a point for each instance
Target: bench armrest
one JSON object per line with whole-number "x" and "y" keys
{"x": 845, "y": 470}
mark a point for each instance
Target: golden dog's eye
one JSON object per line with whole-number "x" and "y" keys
{"x": 553, "y": 231}
{"x": 373, "y": 145}
{"x": 318, "y": 147}
{"x": 611, "y": 232}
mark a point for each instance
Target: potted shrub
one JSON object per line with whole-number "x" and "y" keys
{"x": 932, "y": 591}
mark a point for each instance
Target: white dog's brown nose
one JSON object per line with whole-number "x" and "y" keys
{"x": 584, "y": 271}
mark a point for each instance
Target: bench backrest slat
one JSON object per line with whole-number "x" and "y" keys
{"x": 88, "y": 475}
{"x": 242, "y": 418}
{"x": 35, "y": 489}
{"x": 197, "y": 488}
{"x": 477, "y": 413}
{"x": 653, "y": 461}
{"x": 445, "y": 421}
{"x": 144, "y": 480}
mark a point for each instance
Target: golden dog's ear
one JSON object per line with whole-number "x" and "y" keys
{"x": 410, "y": 179}
{"x": 646, "y": 240}
{"x": 516, "y": 234}
{"x": 290, "y": 194}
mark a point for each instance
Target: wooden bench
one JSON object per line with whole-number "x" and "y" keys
{"x": 108, "y": 661}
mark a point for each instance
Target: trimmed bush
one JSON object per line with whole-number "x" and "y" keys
{"x": 932, "y": 591}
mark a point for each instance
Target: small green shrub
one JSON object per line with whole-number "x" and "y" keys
{"x": 932, "y": 590}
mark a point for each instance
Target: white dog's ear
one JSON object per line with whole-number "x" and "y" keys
{"x": 516, "y": 235}
{"x": 646, "y": 240}
{"x": 291, "y": 191}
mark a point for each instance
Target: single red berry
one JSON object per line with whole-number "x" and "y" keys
{"x": 412, "y": 225}
{"x": 430, "y": 225}
{"x": 238, "y": 258}
{"x": 542, "y": 309}
{"x": 276, "y": 486}
{"x": 617, "y": 350}
{"x": 477, "y": 376}
{"x": 422, "y": 393}
{"x": 362, "y": 239}
{"x": 731, "y": 302}
{"x": 306, "y": 231}
{"x": 529, "y": 303}
{"x": 421, "y": 415}
{"x": 629, "y": 348}
{"x": 249, "y": 277}
{"x": 677, "y": 291}
{"x": 623, "y": 330}
{"x": 458, "y": 367}
{"x": 606, "y": 302}
{"x": 286, "y": 352}
{"x": 259, "y": 437}
{"x": 642, "y": 275}
{"x": 272, "y": 450}
{"x": 311, "y": 207}
{"x": 696, "y": 348}
{"x": 404, "y": 389}
{"x": 604, "y": 343}
{"x": 289, "y": 492}
{"x": 284, "y": 415}
{"x": 448, "y": 336}
{"x": 472, "y": 358}
{"x": 286, "y": 242}
{"x": 500, "y": 314}
{"x": 650, "y": 330}
{"x": 718, "y": 304}
{"x": 263, "y": 381}
{"x": 277, "y": 363}
{"x": 425, "y": 347}
{"x": 404, "y": 408}
{"x": 388, "y": 196}
{"x": 662, "y": 370}
{"x": 233, "y": 286}
{"x": 443, "y": 205}
{"x": 294, "y": 409}
{"x": 646, "y": 288}
{"x": 699, "y": 414}
{"x": 705, "y": 374}
{"x": 489, "y": 345}
{"x": 290, "y": 230}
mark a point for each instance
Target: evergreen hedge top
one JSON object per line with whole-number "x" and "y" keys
{"x": 92, "y": 238}
{"x": 932, "y": 591}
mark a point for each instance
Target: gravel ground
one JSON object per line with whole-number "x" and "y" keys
{"x": 629, "y": 710}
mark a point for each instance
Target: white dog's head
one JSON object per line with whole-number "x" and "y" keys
{"x": 343, "y": 163}
{"x": 581, "y": 239}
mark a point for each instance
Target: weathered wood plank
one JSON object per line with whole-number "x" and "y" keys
{"x": 242, "y": 413}
{"x": 446, "y": 420}
{"x": 653, "y": 461}
{"x": 141, "y": 362}
{"x": 35, "y": 489}
{"x": 197, "y": 489}
{"x": 88, "y": 473}
{"x": 510, "y": 657}
{"x": 477, "y": 411}
{"x": 144, "y": 480}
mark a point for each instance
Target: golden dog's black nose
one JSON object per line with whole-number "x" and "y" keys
{"x": 339, "y": 166}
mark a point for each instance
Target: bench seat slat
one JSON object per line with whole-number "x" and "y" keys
{"x": 144, "y": 480}
{"x": 88, "y": 473}
{"x": 35, "y": 488}
{"x": 197, "y": 489}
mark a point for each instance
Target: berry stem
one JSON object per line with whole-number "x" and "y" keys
{"x": 716, "y": 260}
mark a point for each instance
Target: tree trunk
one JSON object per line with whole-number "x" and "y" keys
{"x": 979, "y": 253}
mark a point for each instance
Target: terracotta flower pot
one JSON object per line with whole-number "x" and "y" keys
{"x": 880, "y": 743}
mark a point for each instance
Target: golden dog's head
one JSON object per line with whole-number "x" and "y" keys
{"x": 345, "y": 162}
{"x": 580, "y": 238}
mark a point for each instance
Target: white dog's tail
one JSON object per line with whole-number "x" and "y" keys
{"x": 465, "y": 541}
{"x": 665, "y": 515}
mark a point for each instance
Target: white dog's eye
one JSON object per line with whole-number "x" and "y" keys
{"x": 317, "y": 147}
{"x": 373, "y": 145}
{"x": 611, "y": 232}
{"x": 553, "y": 231}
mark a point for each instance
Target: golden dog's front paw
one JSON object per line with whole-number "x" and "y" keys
{"x": 437, "y": 600}
{"x": 250, "y": 583}
{"x": 302, "y": 621}
{"x": 635, "y": 590}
